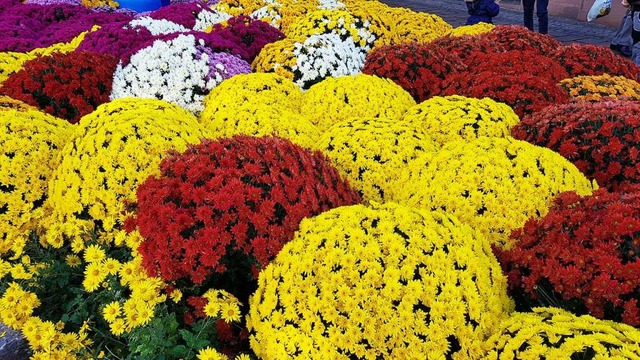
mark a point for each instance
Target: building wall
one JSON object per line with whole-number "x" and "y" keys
{"x": 578, "y": 9}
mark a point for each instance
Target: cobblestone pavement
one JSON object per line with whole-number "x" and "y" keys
{"x": 565, "y": 30}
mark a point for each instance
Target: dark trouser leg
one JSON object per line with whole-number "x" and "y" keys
{"x": 622, "y": 37}
{"x": 635, "y": 35}
{"x": 543, "y": 16}
{"x": 527, "y": 6}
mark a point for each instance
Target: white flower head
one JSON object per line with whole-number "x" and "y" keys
{"x": 158, "y": 27}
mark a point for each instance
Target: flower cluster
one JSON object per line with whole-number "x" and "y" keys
{"x": 387, "y": 281}
{"x": 117, "y": 39}
{"x": 277, "y": 57}
{"x": 599, "y": 87}
{"x": 251, "y": 35}
{"x": 111, "y": 152}
{"x": 336, "y": 22}
{"x": 525, "y": 93}
{"x": 321, "y": 56}
{"x": 30, "y": 142}
{"x": 364, "y": 96}
{"x": 9, "y": 103}
{"x": 451, "y": 118}
{"x": 514, "y": 37}
{"x": 410, "y": 26}
{"x": 181, "y": 70}
{"x": 418, "y": 68}
{"x": 467, "y": 48}
{"x": 157, "y": 26}
{"x": 600, "y": 138}
{"x": 67, "y": 86}
{"x": 27, "y": 27}
{"x": 550, "y": 333}
{"x": 192, "y": 15}
{"x": 221, "y": 204}
{"x": 471, "y": 30}
{"x": 583, "y": 253}
{"x": 581, "y": 59}
{"x": 481, "y": 182}
{"x": 518, "y": 62}
{"x": 99, "y": 3}
{"x": 369, "y": 152}
{"x": 11, "y": 62}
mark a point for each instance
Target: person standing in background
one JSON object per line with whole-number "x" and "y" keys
{"x": 541, "y": 12}
{"x": 635, "y": 28}
{"x": 622, "y": 41}
{"x": 482, "y": 11}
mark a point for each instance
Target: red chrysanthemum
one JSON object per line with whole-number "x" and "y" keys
{"x": 231, "y": 201}
{"x": 583, "y": 256}
{"x": 68, "y": 86}
{"x": 417, "y": 68}
{"x": 601, "y": 138}
{"x": 525, "y": 93}
{"x": 594, "y": 60}
{"x": 522, "y": 62}
{"x": 515, "y": 37}
{"x": 467, "y": 48}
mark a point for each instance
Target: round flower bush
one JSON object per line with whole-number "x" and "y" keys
{"x": 600, "y": 138}
{"x": 181, "y": 71}
{"x": 451, "y": 118}
{"x": 336, "y": 99}
{"x": 67, "y": 86}
{"x": 550, "y": 333}
{"x": 581, "y": 59}
{"x": 369, "y": 152}
{"x": 467, "y": 48}
{"x": 193, "y": 15}
{"x": 263, "y": 120}
{"x": 117, "y": 39}
{"x": 410, "y": 26}
{"x": 583, "y": 253}
{"x": 30, "y": 141}
{"x": 251, "y": 35}
{"x": 256, "y": 89}
{"x": 382, "y": 282}
{"x": 517, "y": 62}
{"x": 157, "y": 27}
{"x": 515, "y": 37}
{"x": 112, "y": 151}
{"x": 277, "y": 57}
{"x": 471, "y": 30}
{"x": 525, "y": 93}
{"x": 418, "y": 68}
{"x": 336, "y": 22}
{"x": 482, "y": 182}
{"x": 241, "y": 196}
{"x": 599, "y": 87}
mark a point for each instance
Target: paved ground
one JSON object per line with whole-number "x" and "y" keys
{"x": 565, "y": 30}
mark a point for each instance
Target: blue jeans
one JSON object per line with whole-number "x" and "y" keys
{"x": 541, "y": 12}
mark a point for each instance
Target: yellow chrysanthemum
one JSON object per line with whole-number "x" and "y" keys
{"x": 73, "y": 260}
{"x": 111, "y": 152}
{"x": 111, "y": 311}
{"x": 476, "y": 29}
{"x": 365, "y": 96}
{"x": 93, "y": 254}
{"x": 553, "y": 333}
{"x": 400, "y": 280}
{"x": 332, "y": 22}
{"x": 210, "y": 354}
{"x": 596, "y": 88}
{"x": 30, "y": 141}
{"x": 493, "y": 184}
{"x": 452, "y": 118}
{"x": 368, "y": 152}
{"x": 276, "y": 57}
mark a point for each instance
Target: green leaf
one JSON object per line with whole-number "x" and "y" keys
{"x": 179, "y": 351}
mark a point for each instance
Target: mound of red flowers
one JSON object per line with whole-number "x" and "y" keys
{"x": 525, "y": 93}
{"x": 68, "y": 86}
{"x": 515, "y": 37}
{"x": 601, "y": 138}
{"x": 582, "y": 256}
{"x": 521, "y": 62}
{"x": 594, "y": 60}
{"x": 224, "y": 204}
{"x": 467, "y": 48}
{"x": 417, "y": 68}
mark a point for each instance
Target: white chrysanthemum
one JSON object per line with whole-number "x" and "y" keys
{"x": 326, "y": 55}
{"x": 171, "y": 70}
{"x": 158, "y": 27}
{"x": 268, "y": 14}
{"x": 207, "y": 18}
{"x": 331, "y": 5}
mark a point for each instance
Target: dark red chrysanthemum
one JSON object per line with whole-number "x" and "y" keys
{"x": 594, "y": 60}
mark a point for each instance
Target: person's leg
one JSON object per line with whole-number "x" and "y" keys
{"x": 635, "y": 35}
{"x": 543, "y": 16}
{"x": 527, "y": 7}
{"x": 622, "y": 37}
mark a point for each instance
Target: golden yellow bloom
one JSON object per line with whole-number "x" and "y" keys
{"x": 94, "y": 254}
{"x": 111, "y": 311}
{"x": 596, "y": 88}
{"x": 210, "y": 354}
{"x": 276, "y": 57}
{"x": 451, "y": 266}
{"x": 230, "y": 312}
{"x": 336, "y": 22}
{"x": 94, "y": 274}
{"x": 476, "y": 29}
{"x": 361, "y": 96}
{"x": 117, "y": 327}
